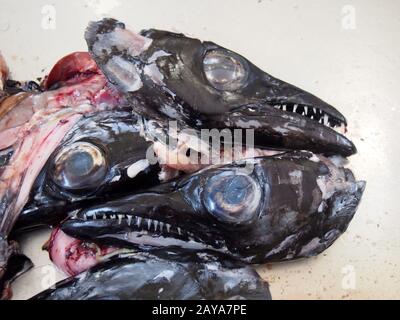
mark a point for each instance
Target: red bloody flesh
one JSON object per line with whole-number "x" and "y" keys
{"x": 74, "y": 256}
{"x": 72, "y": 68}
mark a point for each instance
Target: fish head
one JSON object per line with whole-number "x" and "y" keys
{"x": 258, "y": 210}
{"x": 102, "y": 155}
{"x": 163, "y": 275}
{"x": 209, "y": 86}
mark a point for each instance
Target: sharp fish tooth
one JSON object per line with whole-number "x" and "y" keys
{"x": 120, "y": 217}
{"x": 129, "y": 220}
{"x": 104, "y": 216}
{"x": 179, "y": 231}
{"x": 295, "y": 108}
{"x": 305, "y": 109}
{"x": 168, "y": 227}
{"x": 138, "y": 221}
{"x": 326, "y": 119}
{"x": 161, "y": 226}
{"x": 155, "y": 225}
{"x": 284, "y": 107}
{"x": 94, "y": 217}
{"x": 84, "y": 217}
{"x": 149, "y": 221}
{"x": 315, "y": 110}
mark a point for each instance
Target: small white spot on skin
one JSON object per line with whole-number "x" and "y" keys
{"x": 116, "y": 178}
{"x": 169, "y": 111}
{"x": 137, "y": 167}
{"x": 248, "y": 124}
{"x": 281, "y": 130}
{"x": 158, "y": 54}
{"x": 314, "y": 158}
{"x": 167, "y": 274}
{"x": 212, "y": 266}
{"x": 296, "y": 176}
{"x": 288, "y": 127}
{"x": 154, "y": 73}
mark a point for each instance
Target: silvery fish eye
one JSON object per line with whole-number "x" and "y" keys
{"x": 232, "y": 197}
{"x": 81, "y": 165}
{"x": 225, "y": 70}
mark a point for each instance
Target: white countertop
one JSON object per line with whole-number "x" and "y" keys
{"x": 345, "y": 52}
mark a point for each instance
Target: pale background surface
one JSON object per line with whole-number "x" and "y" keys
{"x": 316, "y": 45}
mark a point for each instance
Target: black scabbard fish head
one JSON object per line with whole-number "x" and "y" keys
{"x": 163, "y": 275}
{"x": 103, "y": 155}
{"x": 208, "y": 86}
{"x": 258, "y": 210}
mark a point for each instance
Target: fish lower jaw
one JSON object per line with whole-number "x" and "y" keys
{"x": 147, "y": 239}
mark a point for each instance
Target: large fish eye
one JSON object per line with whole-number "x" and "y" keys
{"x": 225, "y": 70}
{"x": 232, "y": 197}
{"x": 81, "y": 165}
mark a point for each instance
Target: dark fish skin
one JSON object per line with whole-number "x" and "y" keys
{"x": 162, "y": 276}
{"x": 117, "y": 134}
{"x": 13, "y": 87}
{"x": 288, "y": 206}
{"x": 165, "y": 72}
{"x": 15, "y": 264}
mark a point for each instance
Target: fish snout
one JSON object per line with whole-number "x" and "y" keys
{"x": 343, "y": 205}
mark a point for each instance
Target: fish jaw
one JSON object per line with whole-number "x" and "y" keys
{"x": 293, "y": 198}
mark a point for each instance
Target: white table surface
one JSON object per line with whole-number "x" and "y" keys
{"x": 346, "y": 52}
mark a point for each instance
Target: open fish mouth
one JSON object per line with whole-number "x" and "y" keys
{"x": 208, "y": 86}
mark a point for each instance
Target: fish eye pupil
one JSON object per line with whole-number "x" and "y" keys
{"x": 224, "y": 71}
{"x": 79, "y": 164}
{"x": 237, "y": 190}
{"x": 232, "y": 197}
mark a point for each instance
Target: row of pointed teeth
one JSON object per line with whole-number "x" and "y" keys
{"x": 312, "y": 113}
{"x": 140, "y": 222}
